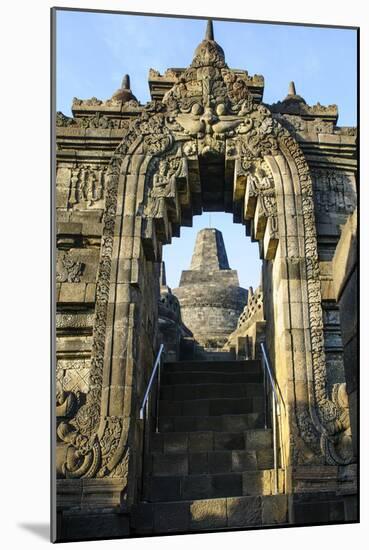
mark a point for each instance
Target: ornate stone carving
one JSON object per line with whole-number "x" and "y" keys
{"x": 333, "y": 191}
{"x": 63, "y": 120}
{"x": 87, "y": 185}
{"x": 208, "y": 98}
{"x": 85, "y": 446}
{"x": 95, "y": 120}
{"x": 109, "y": 443}
{"x": 68, "y": 269}
{"x": 261, "y": 184}
{"x": 295, "y": 124}
{"x": 327, "y": 411}
{"x": 82, "y": 455}
{"x": 298, "y": 106}
{"x": 253, "y": 307}
{"x": 74, "y": 320}
{"x": 346, "y": 130}
{"x": 73, "y": 374}
{"x": 67, "y": 402}
{"x": 337, "y": 446}
{"x": 163, "y": 185}
{"x": 151, "y": 125}
{"x": 92, "y": 102}
{"x": 98, "y": 120}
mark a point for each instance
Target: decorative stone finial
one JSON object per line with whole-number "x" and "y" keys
{"x": 209, "y": 253}
{"x": 209, "y": 30}
{"x": 126, "y": 85}
{"x": 292, "y": 98}
{"x": 163, "y": 278}
{"x": 291, "y": 88}
{"x": 124, "y": 93}
{"x": 208, "y": 52}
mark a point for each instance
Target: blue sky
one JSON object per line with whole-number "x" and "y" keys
{"x": 94, "y": 50}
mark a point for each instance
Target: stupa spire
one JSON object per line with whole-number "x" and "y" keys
{"x": 292, "y": 88}
{"x": 209, "y": 30}
{"x": 126, "y": 84}
{"x": 124, "y": 93}
{"x": 163, "y": 277}
{"x": 209, "y": 253}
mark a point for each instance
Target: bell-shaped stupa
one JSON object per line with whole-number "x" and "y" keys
{"x": 209, "y": 293}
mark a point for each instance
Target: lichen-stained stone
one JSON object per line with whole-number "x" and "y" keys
{"x": 208, "y": 514}
{"x": 265, "y": 458}
{"x": 72, "y": 292}
{"x": 258, "y": 439}
{"x": 256, "y": 483}
{"x": 243, "y": 511}
{"x": 274, "y": 509}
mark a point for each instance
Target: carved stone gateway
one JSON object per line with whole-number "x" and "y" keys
{"x": 128, "y": 177}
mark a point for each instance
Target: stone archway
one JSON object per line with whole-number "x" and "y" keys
{"x": 154, "y": 184}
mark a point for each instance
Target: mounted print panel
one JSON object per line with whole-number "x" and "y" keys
{"x": 202, "y": 404}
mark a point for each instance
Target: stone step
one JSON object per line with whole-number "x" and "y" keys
{"x": 212, "y": 486}
{"x": 210, "y": 514}
{"x": 213, "y": 366}
{"x": 206, "y": 441}
{"x": 211, "y": 407}
{"x": 213, "y": 462}
{"x": 210, "y": 391}
{"x": 207, "y": 354}
{"x": 220, "y": 423}
{"x": 210, "y": 377}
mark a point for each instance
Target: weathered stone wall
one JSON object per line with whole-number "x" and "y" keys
{"x": 345, "y": 275}
{"x": 250, "y": 329}
{"x": 172, "y": 331}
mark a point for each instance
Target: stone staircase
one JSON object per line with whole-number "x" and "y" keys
{"x": 210, "y": 465}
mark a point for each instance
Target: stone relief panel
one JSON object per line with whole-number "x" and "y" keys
{"x": 78, "y": 321}
{"x": 297, "y": 125}
{"x": 73, "y": 375}
{"x": 334, "y": 191}
{"x": 96, "y": 120}
{"x": 87, "y": 185}
{"x": 333, "y": 344}
{"x": 260, "y": 184}
{"x": 68, "y": 269}
{"x": 163, "y": 193}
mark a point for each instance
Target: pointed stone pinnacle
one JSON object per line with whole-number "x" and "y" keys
{"x": 291, "y": 88}
{"x": 209, "y": 30}
{"x": 163, "y": 278}
{"x": 125, "y": 82}
{"x": 209, "y": 253}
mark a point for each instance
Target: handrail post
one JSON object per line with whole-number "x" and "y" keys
{"x": 266, "y": 408}
{"x": 148, "y": 389}
{"x": 144, "y": 413}
{"x": 275, "y": 412}
{"x": 247, "y": 348}
{"x": 275, "y": 453}
{"x": 157, "y": 398}
{"x": 143, "y": 457}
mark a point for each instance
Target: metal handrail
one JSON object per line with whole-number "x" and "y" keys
{"x": 152, "y": 377}
{"x": 275, "y": 413}
{"x": 271, "y": 379}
